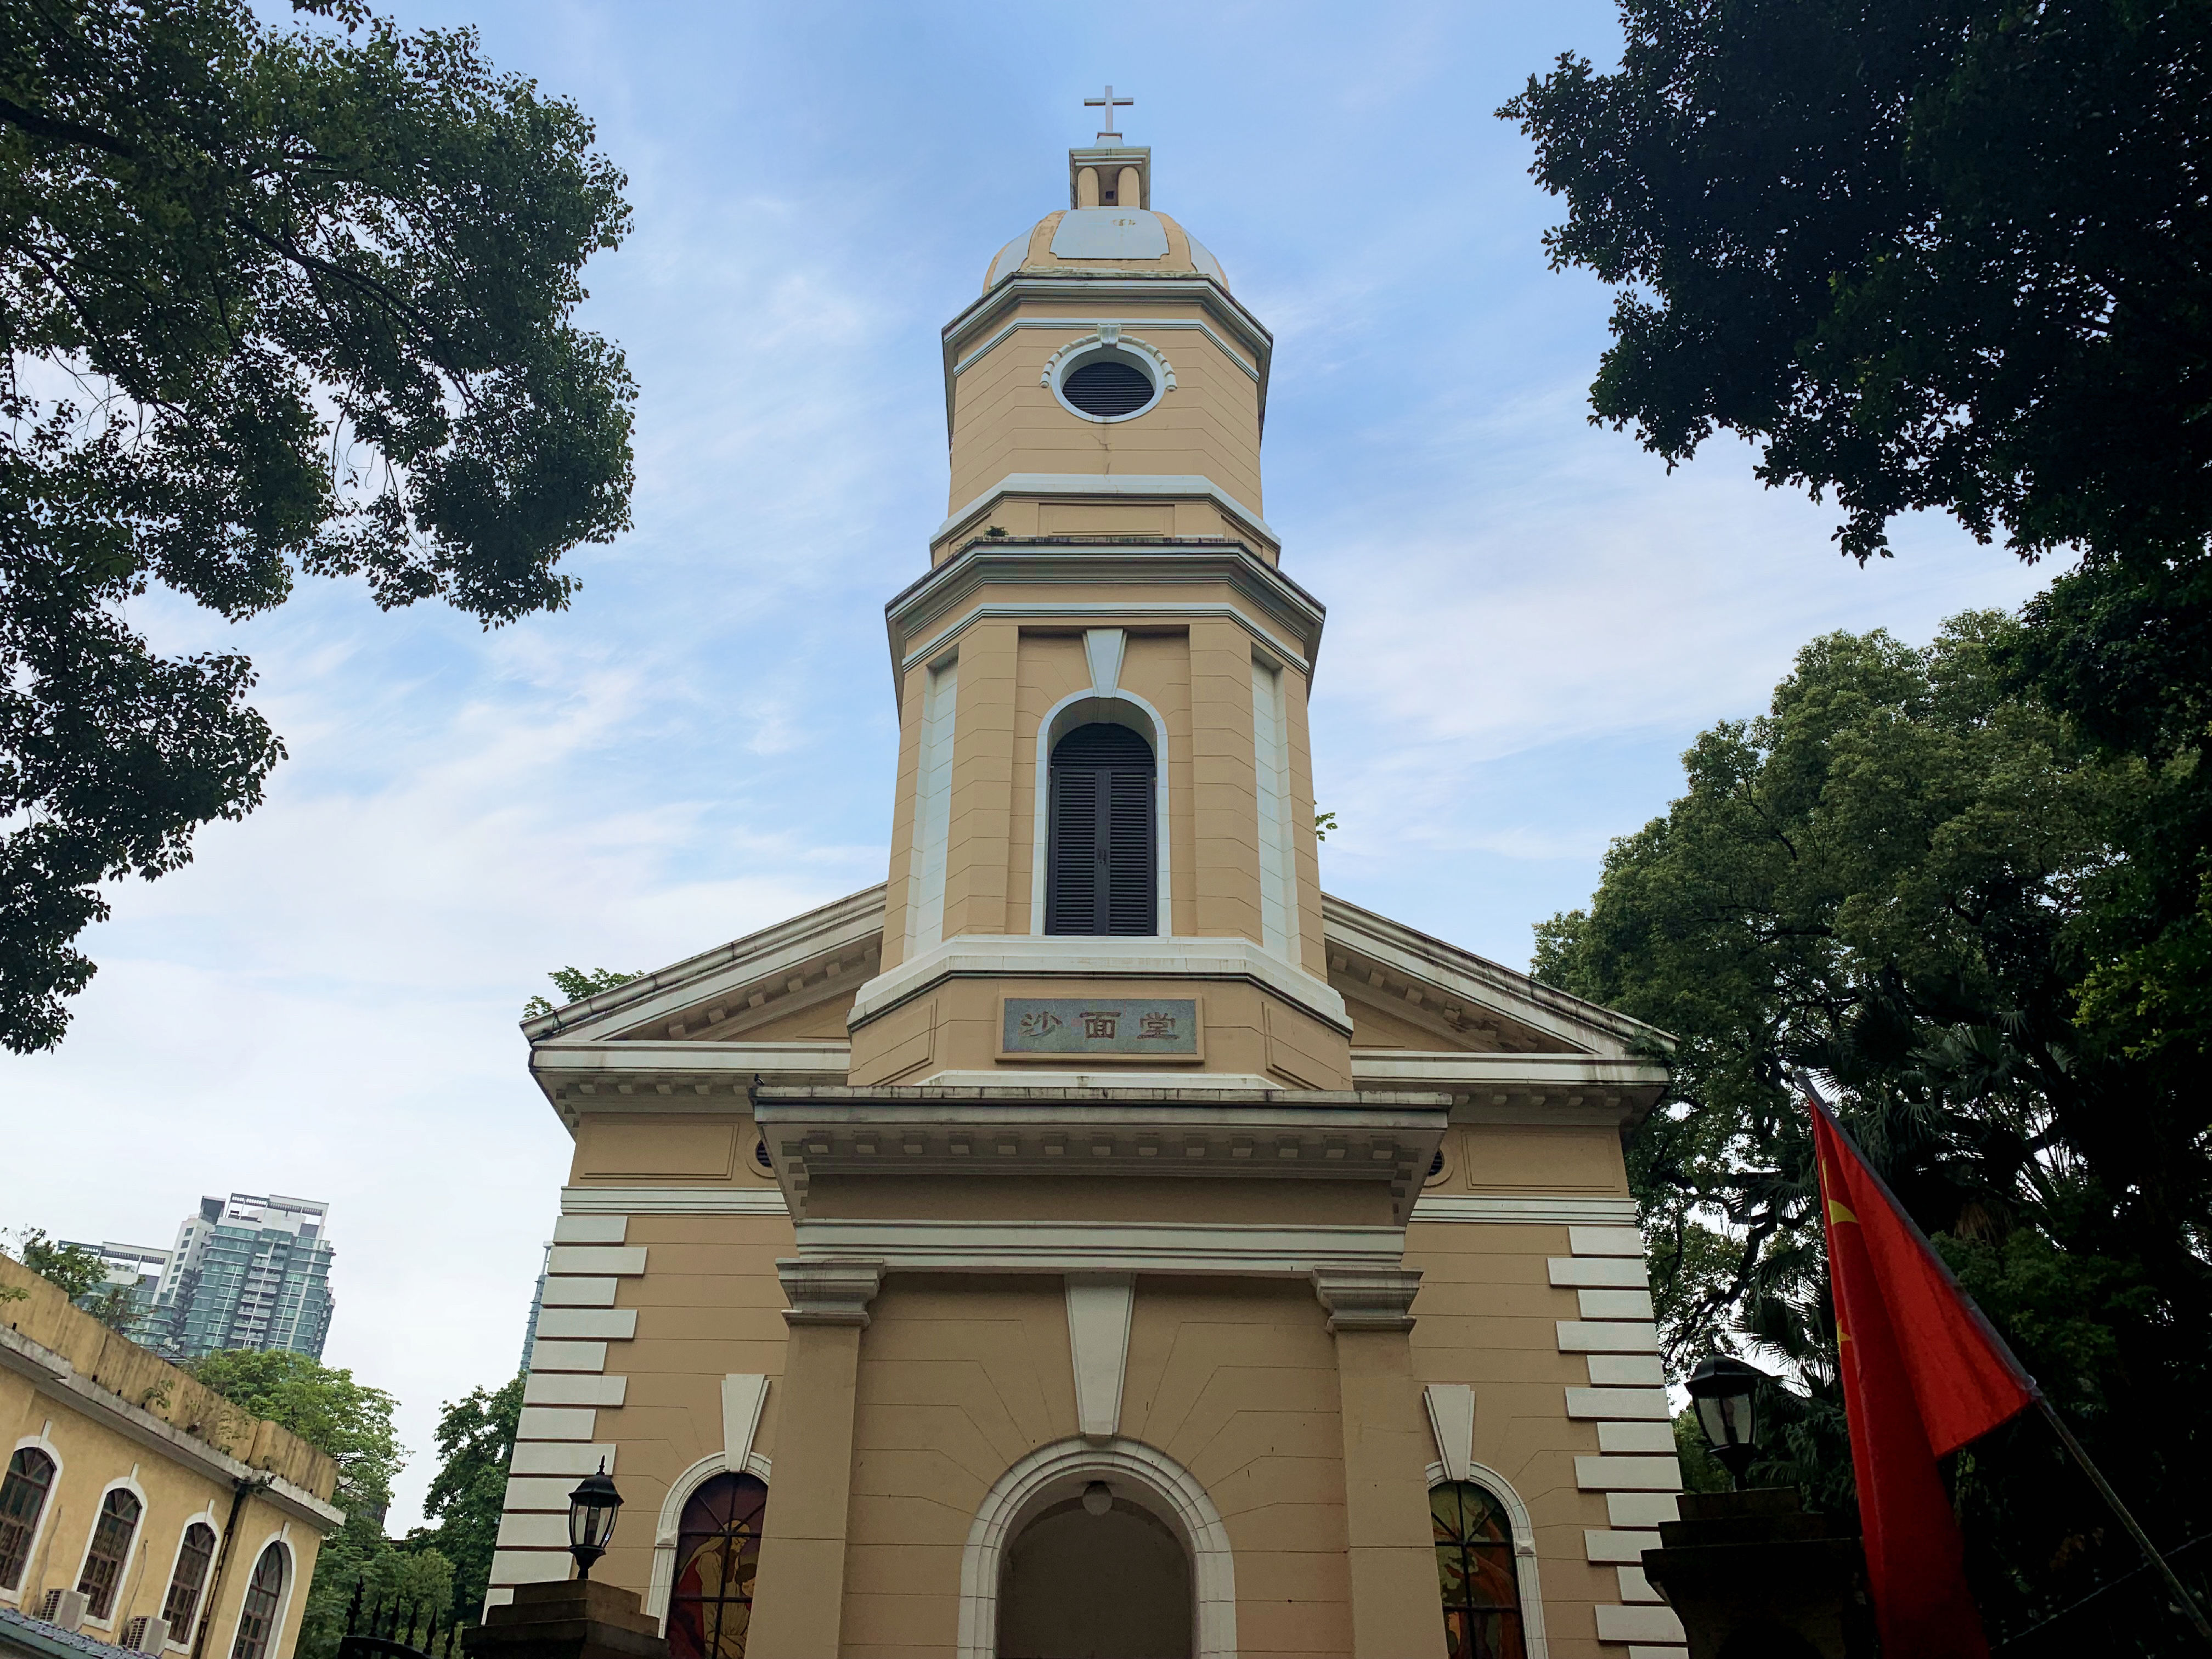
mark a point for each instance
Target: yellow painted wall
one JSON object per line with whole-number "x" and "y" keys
{"x": 93, "y": 1455}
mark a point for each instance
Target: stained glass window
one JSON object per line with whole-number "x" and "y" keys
{"x": 23, "y": 1496}
{"x": 1476, "y": 1573}
{"x": 717, "y": 1554}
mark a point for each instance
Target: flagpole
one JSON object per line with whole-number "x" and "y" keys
{"x": 2190, "y": 1609}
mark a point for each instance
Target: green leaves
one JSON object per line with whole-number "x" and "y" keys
{"x": 575, "y": 985}
{"x": 325, "y": 1407}
{"x": 1904, "y": 884}
{"x": 272, "y": 304}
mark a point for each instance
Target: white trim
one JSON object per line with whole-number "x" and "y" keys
{"x": 1150, "y": 323}
{"x": 1132, "y": 609}
{"x": 1104, "y": 651}
{"x": 1549, "y": 1212}
{"x": 45, "y": 1504}
{"x": 1451, "y": 1420}
{"x": 1107, "y": 340}
{"x": 1524, "y": 1551}
{"x": 1098, "y": 1310}
{"x": 602, "y": 1228}
{"x": 1061, "y": 1470}
{"x": 1168, "y": 957}
{"x": 674, "y": 1201}
{"x": 1108, "y": 1246}
{"x": 744, "y": 1395}
{"x": 1277, "y": 840}
{"x": 932, "y": 807}
{"x": 1084, "y": 707}
{"x": 662, "y": 1584}
{"x": 130, "y": 1546}
{"x": 1176, "y": 486}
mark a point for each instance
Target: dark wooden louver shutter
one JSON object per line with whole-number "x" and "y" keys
{"x": 1100, "y": 862}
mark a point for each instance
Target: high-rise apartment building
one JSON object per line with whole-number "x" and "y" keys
{"x": 136, "y": 1271}
{"x": 247, "y": 1271}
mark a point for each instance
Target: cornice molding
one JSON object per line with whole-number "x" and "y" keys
{"x": 1103, "y": 1246}
{"x": 1030, "y": 955}
{"x": 1102, "y": 291}
{"x": 947, "y": 598}
{"x": 1151, "y": 486}
{"x": 53, "y": 1375}
{"x": 828, "y": 1292}
{"x": 1367, "y": 1298}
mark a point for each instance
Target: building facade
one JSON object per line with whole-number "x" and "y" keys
{"x": 247, "y": 1271}
{"x": 1097, "y": 1239}
{"x": 138, "y": 1509}
{"x": 134, "y": 1275}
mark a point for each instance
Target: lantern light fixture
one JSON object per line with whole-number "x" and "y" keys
{"x": 1722, "y": 1388}
{"x": 592, "y": 1509}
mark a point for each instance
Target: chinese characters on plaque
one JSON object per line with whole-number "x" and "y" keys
{"x": 1136, "y": 1026}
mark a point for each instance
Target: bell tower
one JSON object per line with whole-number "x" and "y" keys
{"x": 1103, "y": 868}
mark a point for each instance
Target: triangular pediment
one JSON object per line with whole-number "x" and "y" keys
{"x": 1407, "y": 991}
{"x": 793, "y": 983}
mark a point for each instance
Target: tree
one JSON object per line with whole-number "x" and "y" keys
{"x": 575, "y": 985}
{"x": 1954, "y": 257}
{"x": 352, "y": 1422}
{"x": 1896, "y": 887}
{"x": 273, "y": 304}
{"x": 325, "y": 1407}
{"x": 77, "y": 1270}
{"x": 476, "y": 1442}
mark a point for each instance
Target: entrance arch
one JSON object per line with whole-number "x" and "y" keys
{"x": 1027, "y": 1519}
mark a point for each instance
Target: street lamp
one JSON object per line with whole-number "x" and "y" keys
{"x": 592, "y": 1509}
{"x": 1721, "y": 1388}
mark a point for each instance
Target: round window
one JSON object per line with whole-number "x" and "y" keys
{"x": 1108, "y": 385}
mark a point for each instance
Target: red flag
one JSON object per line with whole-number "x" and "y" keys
{"x": 1922, "y": 1373}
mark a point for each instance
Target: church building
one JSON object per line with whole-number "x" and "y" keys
{"x": 1095, "y": 1240}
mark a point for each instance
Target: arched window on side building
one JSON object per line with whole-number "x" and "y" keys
{"x": 717, "y": 1555}
{"x": 194, "y": 1556}
{"x": 1476, "y": 1572}
{"x": 1102, "y": 859}
{"x": 22, "y": 1499}
{"x": 111, "y": 1548}
{"x": 264, "y": 1597}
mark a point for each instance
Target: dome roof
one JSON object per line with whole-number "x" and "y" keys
{"x": 1105, "y": 241}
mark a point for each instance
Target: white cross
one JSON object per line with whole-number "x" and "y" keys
{"x": 1108, "y": 103}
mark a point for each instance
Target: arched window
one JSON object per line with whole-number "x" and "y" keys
{"x": 194, "y": 1556}
{"x": 22, "y": 1500}
{"x": 1100, "y": 867}
{"x": 257, "y": 1620}
{"x": 717, "y": 1554}
{"x": 1475, "y": 1572}
{"x": 110, "y": 1547}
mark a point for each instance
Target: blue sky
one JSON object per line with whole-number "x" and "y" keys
{"x": 1530, "y": 618}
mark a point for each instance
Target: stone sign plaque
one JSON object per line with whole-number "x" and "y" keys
{"x": 1104, "y": 1028}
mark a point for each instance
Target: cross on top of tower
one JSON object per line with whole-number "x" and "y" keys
{"x": 1109, "y": 103}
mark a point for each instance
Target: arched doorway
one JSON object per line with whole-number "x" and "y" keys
{"x": 1102, "y": 1579}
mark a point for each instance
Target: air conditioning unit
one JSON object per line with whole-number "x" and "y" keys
{"x": 146, "y": 1634}
{"x": 64, "y": 1608}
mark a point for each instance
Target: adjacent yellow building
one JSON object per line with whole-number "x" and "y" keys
{"x": 138, "y": 1508}
{"x": 1097, "y": 1240}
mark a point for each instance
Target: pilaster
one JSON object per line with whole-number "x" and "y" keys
{"x": 1389, "y": 1548}
{"x": 982, "y": 816}
{"x": 798, "y": 1607}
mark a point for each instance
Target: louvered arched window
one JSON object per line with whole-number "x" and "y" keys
{"x": 1101, "y": 859}
{"x": 112, "y": 1535}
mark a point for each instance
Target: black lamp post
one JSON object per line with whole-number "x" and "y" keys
{"x": 1722, "y": 1389}
{"x": 592, "y": 1509}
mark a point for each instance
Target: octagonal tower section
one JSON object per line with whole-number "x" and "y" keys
{"x": 1103, "y": 867}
